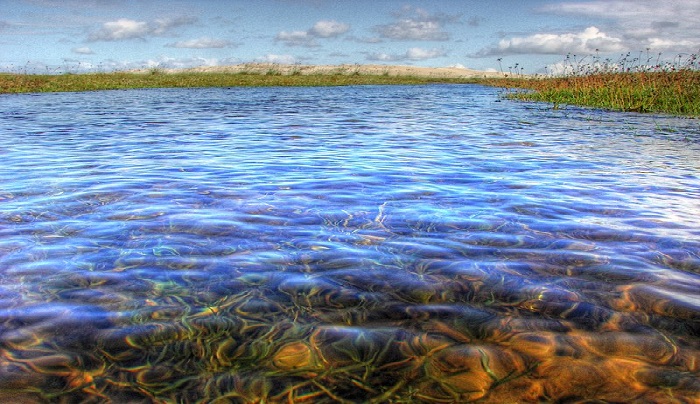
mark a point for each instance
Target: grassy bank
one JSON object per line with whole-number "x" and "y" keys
{"x": 676, "y": 93}
{"x": 25, "y": 83}
{"x": 636, "y": 84}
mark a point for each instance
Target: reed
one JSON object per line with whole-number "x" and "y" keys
{"x": 623, "y": 85}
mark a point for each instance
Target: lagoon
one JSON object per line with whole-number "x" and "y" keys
{"x": 431, "y": 243}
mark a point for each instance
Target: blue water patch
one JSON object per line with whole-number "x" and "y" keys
{"x": 364, "y": 243}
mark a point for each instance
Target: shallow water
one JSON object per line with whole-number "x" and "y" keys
{"x": 381, "y": 244}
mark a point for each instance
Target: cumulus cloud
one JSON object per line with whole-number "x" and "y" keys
{"x": 589, "y": 40}
{"x": 166, "y": 62}
{"x": 370, "y": 40}
{"x": 297, "y": 38}
{"x": 621, "y": 9}
{"x": 125, "y": 29}
{"x": 417, "y": 24}
{"x": 328, "y": 29}
{"x": 163, "y": 26}
{"x": 625, "y": 26}
{"x": 161, "y": 62}
{"x": 661, "y": 44}
{"x": 201, "y": 43}
{"x": 322, "y": 29}
{"x": 412, "y": 54}
{"x": 280, "y": 59}
{"x": 422, "y": 54}
{"x": 641, "y": 24}
{"x": 83, "y": 51}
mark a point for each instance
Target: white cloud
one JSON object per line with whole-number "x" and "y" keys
{"x": 661, "y": 44}
{"x": 623, "y": 9}
{"x": 297, "y": 38}
{"x": 201, "y": 43}
{"x": 641, "y": 23}
{"x": 370, "y": 40}
{"x": 280, "y": 59}
{"x": 587, "y": 41}
{"x": 417, "y": 24}
{"x": 162, "y": 26}
{"x": 422, "y": 54}
{"x": 328, "y": 29}
{"x": 411, "y": 54}
{"x": 124, "y": 28}
{"x": 322, "y": 29}
{"x": 413, "y": 30}
{"x": 161, "y": 62}
{"x": 621, "y": 26}
{"x": 83, "y": 51}
{"x": 167, "y": 62}
{"x": 383, "y": 57}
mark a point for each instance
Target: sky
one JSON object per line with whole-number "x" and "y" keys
{"x": 520, "y": 36}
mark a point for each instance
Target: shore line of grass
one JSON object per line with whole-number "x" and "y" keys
{"x": 30, "y": 83}
{"x": 670, "y": 92}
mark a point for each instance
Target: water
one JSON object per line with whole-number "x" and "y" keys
{"x": 360, "y": 244}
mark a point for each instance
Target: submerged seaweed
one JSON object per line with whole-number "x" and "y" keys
{"x": 355, "y": 244}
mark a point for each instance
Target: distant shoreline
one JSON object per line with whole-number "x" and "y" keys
{"x": 345, "y": 69}
{"x": 673, "y": 92}
{"x": 246, "y": 75}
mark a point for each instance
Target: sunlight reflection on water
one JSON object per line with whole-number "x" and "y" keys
{"x": 424, "y": 243}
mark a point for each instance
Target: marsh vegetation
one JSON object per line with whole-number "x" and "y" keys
{"x": 636, "y": 84}
{"x": 24, "y": 83}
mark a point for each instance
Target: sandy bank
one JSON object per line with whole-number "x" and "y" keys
{"x": 270, "y": 68}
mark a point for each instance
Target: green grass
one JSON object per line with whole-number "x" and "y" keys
{"x": 35, "y": 83}
{"x": 624, "y": 85}
{"x": 672, "y": 89}
{"x": 676, "y": 93}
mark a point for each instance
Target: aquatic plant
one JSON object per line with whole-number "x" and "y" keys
{"x": 634, "y": 84}
{"x": 365, "y": 244}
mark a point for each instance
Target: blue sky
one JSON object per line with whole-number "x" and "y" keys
{"x": 39, "y": 36}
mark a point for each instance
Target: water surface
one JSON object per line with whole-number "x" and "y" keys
{"x": 362, "y": 244}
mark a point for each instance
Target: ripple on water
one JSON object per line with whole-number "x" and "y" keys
{"x": 380, "y": 244}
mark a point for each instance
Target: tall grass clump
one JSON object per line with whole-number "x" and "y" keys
{"x": 628, "y": 84}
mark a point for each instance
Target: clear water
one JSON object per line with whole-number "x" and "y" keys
{"x": 360, "y": 244}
